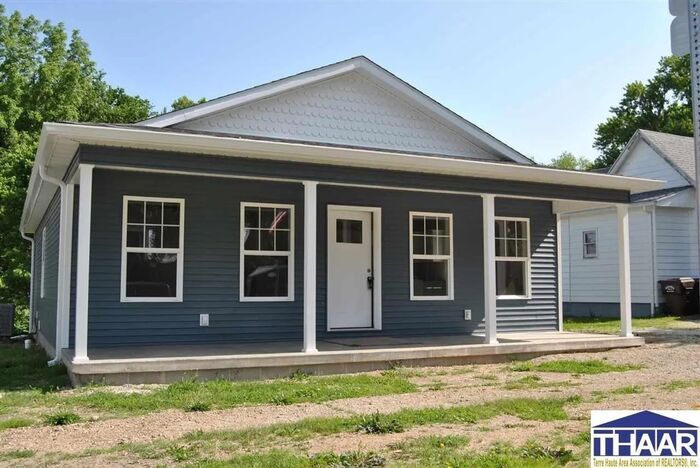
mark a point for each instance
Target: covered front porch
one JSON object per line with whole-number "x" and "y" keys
{"x": 165, "y": 364}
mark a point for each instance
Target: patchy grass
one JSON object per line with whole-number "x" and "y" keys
{"x": 681, "y": 384}
{"x": 379, "y": 424}
{"x": 16, "y": 455}
{"x": 612, "y": 325}
{"x": 570, "y": 366}
{"x": 15, "y": 422}
{"x": 530, "y": 382}
{"x": 452, "y": 451}
{"x": 61, "y": 419}
{"x": 28, "y": 383}
{"x": 27, "y": 370}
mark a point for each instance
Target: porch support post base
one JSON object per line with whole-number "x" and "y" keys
{"x": 623, "y": 247}
{"x": 489, "y": 213}
{"x": 310, "y": 228}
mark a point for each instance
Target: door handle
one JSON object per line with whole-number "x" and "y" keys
{"x": 370, "y": 282}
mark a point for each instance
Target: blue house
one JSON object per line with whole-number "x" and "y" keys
{"x": 333, "y": 220}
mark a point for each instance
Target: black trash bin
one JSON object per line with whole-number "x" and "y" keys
{"x": 680, "y": 295}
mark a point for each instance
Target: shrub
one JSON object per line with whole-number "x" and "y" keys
{"x": 61, "y": 419}
{"x": 379, "y": 424}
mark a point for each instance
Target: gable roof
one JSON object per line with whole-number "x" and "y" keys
{"x": 367, "y": 69}
{"x": 644, "y": 419}
{"x": 678, "y": 151}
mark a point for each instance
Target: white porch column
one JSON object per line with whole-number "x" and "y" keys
{"x": 489, "y": 228}
{"x": 83, "y": 266}
{"x": 310, "y": 208}
{"x": 65, "y": 260}
{"x": 560, "y": 278}
{"x": 623, "y": 248}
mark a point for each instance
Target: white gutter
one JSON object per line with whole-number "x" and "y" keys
{"x": 60, "y": 289}
{"x": 31, "y": 280}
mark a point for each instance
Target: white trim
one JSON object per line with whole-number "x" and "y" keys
{"x": 71, "y": 136}
{"x": 560, "y": 277}
{"x": 526, "y": 260}
{"x": 65, "y": 262}
{"x": 376, "y": 263}
{"x": 180, "y": 251}
{"x": 654, "y": 280}
{"x": 623, "y": 247}
{"x": 584, "y": 243}
{"x": 489, "y": 270}
{"x": 42, "y": 278}
{"x": 449, "y": 258}
{"x": 310, "y": 230}
{"x": 266, "y": 253}
{"x": 82, "y": 286}
{"x": 366, "y": 68}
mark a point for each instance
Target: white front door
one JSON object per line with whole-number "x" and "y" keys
{"x": 350, "y": 271}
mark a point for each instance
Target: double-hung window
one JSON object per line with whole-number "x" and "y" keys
{"x": 512, "y": 258}
{"x": 267, "y": 252}
{"x": 590, "y": 244}
{"x": 431, "y": 256}
{"x": 152, "y": 249}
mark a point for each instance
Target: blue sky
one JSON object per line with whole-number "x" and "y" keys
{"x": 538, "y": 75}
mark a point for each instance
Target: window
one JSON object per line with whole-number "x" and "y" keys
{"x": 42, "y": 290}
{"x": 590, "y": 244}
{"x": 152, "y": 249}
{"x": 267, "y": 260}
{"x": 431, "y": 256}
{"x": 512, "y": 258}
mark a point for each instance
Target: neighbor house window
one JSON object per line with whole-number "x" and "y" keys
{"x": 152, "y": 249}
{"x": 42, "y": 290}
{"x": 267, "y": 252}
{"x": 431, "y": 256}
{"x": 512, "y": 258}
{"x": 590, "y": 244}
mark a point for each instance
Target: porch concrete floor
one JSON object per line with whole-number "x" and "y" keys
{"x": 145, "y": 364}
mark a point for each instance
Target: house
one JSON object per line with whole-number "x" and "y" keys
{"x": 663, "y": 232}
{"x": 333, "y": 220}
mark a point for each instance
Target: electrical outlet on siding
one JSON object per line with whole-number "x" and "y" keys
{"x": 203, "y": 320}
{"x": 467, "y": 314}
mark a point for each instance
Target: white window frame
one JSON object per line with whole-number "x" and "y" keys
{"x": 584, "y": 243}
{"x": 42, "y": 289}
{"x": 526, "y": 260}
{"x": 449, "y": 258}
{"x": 266, "y": 253}
{"x": 180, "y": 251}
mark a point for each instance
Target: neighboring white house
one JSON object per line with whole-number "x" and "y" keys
{"x": 663, "y": 232}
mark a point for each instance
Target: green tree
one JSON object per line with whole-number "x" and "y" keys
{"x": 183, "y": 102}
{"x": 661, "y": 104}
{"x": 567, "y": 160}
{"x": 45, "y": 75}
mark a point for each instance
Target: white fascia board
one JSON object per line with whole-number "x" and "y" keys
{"x": 145, "y": 138}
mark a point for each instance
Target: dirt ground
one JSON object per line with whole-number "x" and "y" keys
{"x": 663, "y": 362}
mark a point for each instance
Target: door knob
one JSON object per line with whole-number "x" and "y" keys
{"x": 370, "y": 282}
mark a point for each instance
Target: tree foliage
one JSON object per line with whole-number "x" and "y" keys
{"x": 567, "y": 160}
{"x": 183, "y": 102}
{"x": 663, "y": 104}
{"x": 45, "y": 75}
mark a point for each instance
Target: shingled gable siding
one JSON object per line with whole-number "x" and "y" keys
{"x": 45, "y": 308}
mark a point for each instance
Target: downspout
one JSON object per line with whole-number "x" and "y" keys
{"x": 31, "y": 280}
{"x": 654, "y": 291}
{"x": 59, "y": 296}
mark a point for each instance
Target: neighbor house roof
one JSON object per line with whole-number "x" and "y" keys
{"x": 367, "y": 69}
{"x": 678, "y": 151}
{"x": 59, "y": 142}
